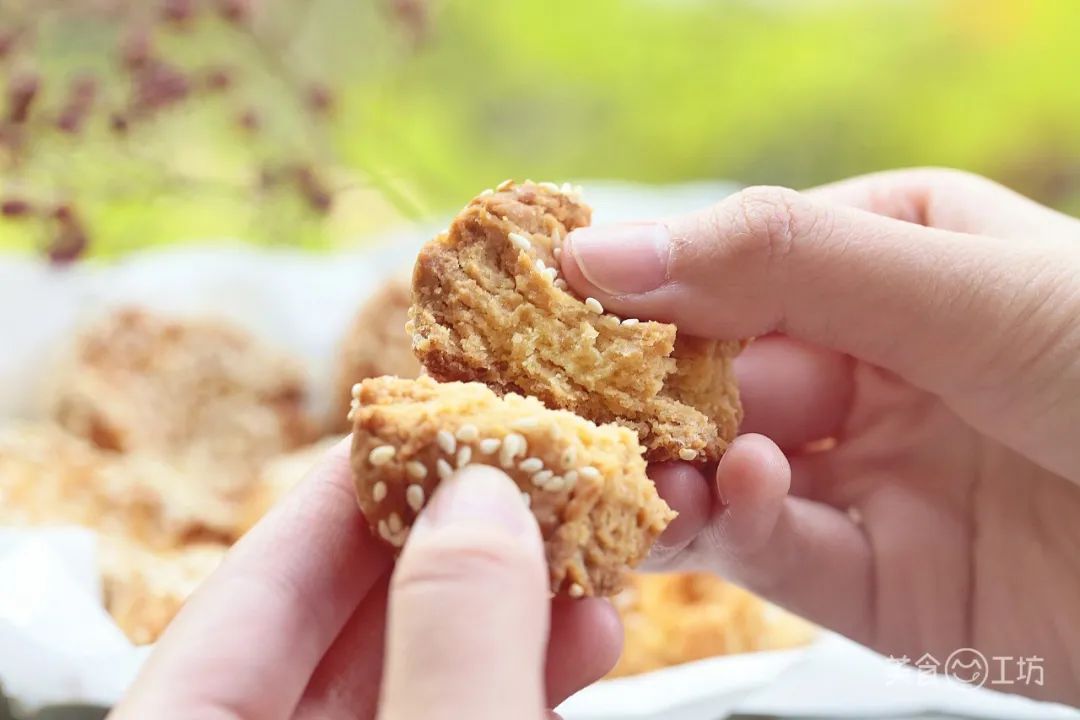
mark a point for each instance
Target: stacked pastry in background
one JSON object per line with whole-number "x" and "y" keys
{"x": 170, "y": 437}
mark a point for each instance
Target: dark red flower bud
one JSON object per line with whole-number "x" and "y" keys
{"x": 136, "y": 48}
{"x": 313, "y": 190}
{"x": 177, "y": 12}
{"x": 218, "y": 79}
{"x": 234, "y": 11}
{"x": 320, "y": 99}
{"x": 249, "y": 120}
{"x": 15, "y": 207}
{"x": 21, "y": 93}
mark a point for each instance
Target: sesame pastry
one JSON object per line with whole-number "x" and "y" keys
{"x": 586, "y": 484}
{"x": 489, "y": 305}
{"x": 201, "y": 394}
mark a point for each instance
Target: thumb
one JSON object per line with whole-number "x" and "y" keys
{"x": 770, "y": 259}
{"x": 468, "y": 613}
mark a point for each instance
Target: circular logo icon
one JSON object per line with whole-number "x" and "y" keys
{"x": 968, "y": 666}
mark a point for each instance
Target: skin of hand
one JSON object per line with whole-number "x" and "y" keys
{"x": 927, "y": 322}
{"x": 307, "y": 619}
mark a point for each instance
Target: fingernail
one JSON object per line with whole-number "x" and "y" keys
{"x": 622, "y": 259}
{"x": 477, "y": 496}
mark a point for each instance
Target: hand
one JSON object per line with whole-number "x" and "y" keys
{"x": 928, "y": 322}
{"x": 293, "y": 623}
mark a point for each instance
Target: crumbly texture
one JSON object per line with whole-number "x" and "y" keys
{"x": 586, "y": 484}
{"x": 202, "y": 394}
{"x": 144, "y": 590}
{"x": 50, "y": 477}
{"x": 488, "y": 305}
{"x": 375, "y": 344}
{"x": 676, "y": 618}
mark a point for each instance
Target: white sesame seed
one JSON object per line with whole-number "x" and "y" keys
{"x": 416, "y": 470}
{"x": 611, "y": 320}
{"x": 570, "y": 478}
{"x": 525, "y": 423}
{"x": 384, "y": 530}
{"x": 443, "y": 469}
{"x": 378, "y": 491}
{"x": 556, "y": 484}
{"x": 531, "y": 465}
{"x": 540, "y": 266}
{"x": 410, "y": 327}
{"x": 541, "y": 478}
{"x": 594, "y": 305}
{"x": 550, "y": 274}
{"x": 561, "y": 284}
{"x": 566, "y": 188}
{"x": 486, "y": 191}
{"x": 549, "y": 186}
{"x": 446, "y": 442}
{"x": 687, "y": 453}
{"x": 630, "y": 322}
{"x": 527, "y": 499}
{"x": 520, "y": 241}
{"x": 414, "y": 495}
{"x": 464, "y": 455}
{"x": 381, "y": 455}
{"x": 356, "y": 390}
{"x": 490, "y": 445}
{"x": 393, "y": 521}
{"x": 575, "y": 590}
{"x": 512, "y": 446}
{"x": 467, "y": 432}
{"x": 557, "y": 252}
{"x": 504, "y": 184}
{"x": 588, "y": 471}
{"x": 569, "y": 456}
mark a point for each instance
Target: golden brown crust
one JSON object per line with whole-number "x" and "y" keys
{"x": 203, "y": 394}
{"x": 597, "y": 510}
{"x": 375, "y": 344}
{"x": 488, "y": 305}
{"x": 675, "y": 618}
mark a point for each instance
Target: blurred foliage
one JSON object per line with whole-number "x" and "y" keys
{"x": 428, "y": 102}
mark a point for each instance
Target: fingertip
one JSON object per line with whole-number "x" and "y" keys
{"x": 687, "y": 491}
{"x": 586, "y": 642}
{"x": 753, "y": 471}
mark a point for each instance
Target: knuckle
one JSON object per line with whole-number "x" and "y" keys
{"x": 771, "y": 220}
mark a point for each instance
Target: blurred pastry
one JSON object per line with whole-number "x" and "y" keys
{"x": 50, "y": 477}
{"x": 489, "y": 305}
{"x": 144, "y": 590}
{"x": 598, "y": 511}
{"x": 204, "y": 395}
{"x": 278, "y": 476}
{"x": 669, "y": 619}
{"x": 375, "y": 344}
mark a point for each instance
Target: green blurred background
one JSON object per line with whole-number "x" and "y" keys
{"x": 403, "y": 109}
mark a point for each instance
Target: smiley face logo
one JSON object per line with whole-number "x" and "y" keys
{"x": 968, "y": 666}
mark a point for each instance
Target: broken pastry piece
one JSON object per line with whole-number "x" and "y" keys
{"x": 586, "y": 483}
{"x": 489, "y": 305}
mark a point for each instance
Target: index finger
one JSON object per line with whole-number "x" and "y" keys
{"x": 245, "y": 645}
